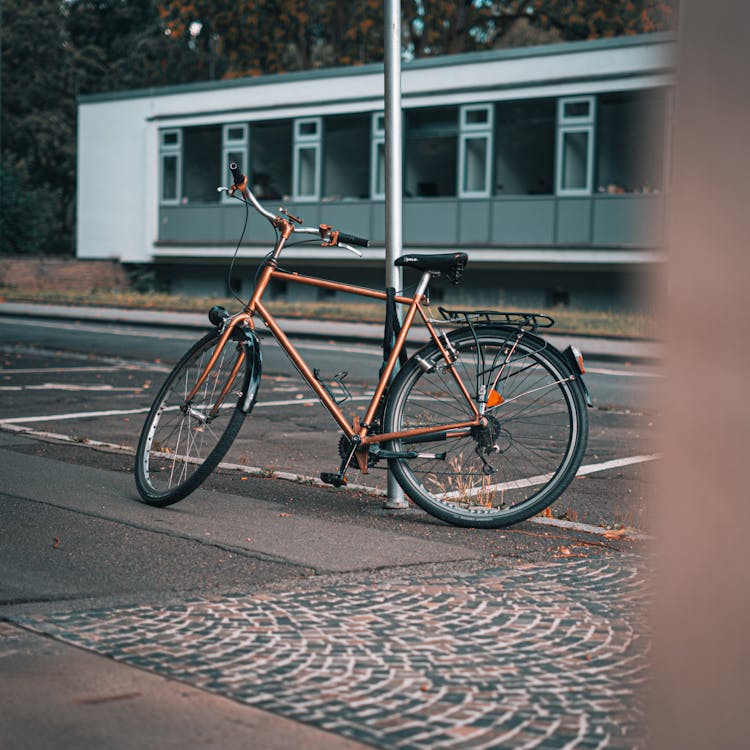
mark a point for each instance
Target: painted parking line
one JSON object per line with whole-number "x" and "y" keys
{"x": 43, "y": 370}
{"x": 70, "y": 387}
{"x": 623, "y": 373}
{"x": 376, "y": 491}
{"x": 146, "y": 409}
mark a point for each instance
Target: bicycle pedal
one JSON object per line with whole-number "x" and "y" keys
{"x": 330, "y": 478}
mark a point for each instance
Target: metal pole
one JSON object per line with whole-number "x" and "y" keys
{"x": 393, "y": 179}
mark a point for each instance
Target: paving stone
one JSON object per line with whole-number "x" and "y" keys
{"x": 543, "y": 656}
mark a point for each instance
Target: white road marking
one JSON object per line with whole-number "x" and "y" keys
{"x": 623, "y": 373}
{"x": 315, "y": 481}
{"x": 71, "y": 415}
{"x": 70, "y": 387}
{"x": 144, "y": 410}
{"x": 544, "y": 478}
{"x": 43, "y": 370}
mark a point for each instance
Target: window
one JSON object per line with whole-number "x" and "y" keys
{"x": 631, "y": 128}
{"x": 525, "y": 147}
{"x": 475, "y": 151}
{"x": 307, "y": 137}
{"x": 201, "y": 153}
{"x": 234, "y": 149}
{"x": 377, "y": 156}
{"x": 575, "y": 145}
{"x": 170, "y": 156}
{"x": 271, "y": 162}
{"x": 345, "y": 161}
{"x": 431, "y": 146}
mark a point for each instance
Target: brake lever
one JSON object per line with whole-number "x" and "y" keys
{"x": 350, "y": 249}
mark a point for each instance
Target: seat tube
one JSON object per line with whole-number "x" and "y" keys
{"x": 399, "y": 345}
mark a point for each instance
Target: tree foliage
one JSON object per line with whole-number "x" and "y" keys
{"x": 56, "y": 50}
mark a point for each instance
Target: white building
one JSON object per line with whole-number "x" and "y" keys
{"x": 547, "y": 164}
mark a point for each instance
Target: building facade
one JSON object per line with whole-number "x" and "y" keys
{"x": 549, "y": 165}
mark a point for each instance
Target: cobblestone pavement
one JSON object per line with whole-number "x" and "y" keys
{"x": 550, "y": 655}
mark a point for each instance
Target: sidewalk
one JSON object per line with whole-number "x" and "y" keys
{"x": 600, "y": 348}
{"x": 57, "y": 695}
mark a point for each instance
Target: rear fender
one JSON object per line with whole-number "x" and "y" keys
{"x": 570, "y": 357}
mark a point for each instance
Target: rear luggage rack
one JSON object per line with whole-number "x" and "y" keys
{"x": 527, "y": 320}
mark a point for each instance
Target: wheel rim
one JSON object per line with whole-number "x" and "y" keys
{"x": 524, "y": 454}
{"x": 181, "y": 437}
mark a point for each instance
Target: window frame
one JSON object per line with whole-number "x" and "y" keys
{"x": 170, "y": 150}
{"x": 566, "y": 125}
{"x": 302, "y": 142}
{"x": 377, "y": 139}
{"x": 475, "y": 131}
{"x": 234, "y": 145}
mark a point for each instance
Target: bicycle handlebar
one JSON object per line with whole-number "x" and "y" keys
{"x": 237, "y": 176}
{"x": 326, "y": 233}
{"x": 350, "y": 239}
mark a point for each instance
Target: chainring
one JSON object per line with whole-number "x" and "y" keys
{"x": 345, "y": 446}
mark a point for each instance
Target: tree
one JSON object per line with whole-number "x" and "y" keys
{"x": 52, "y": 51}
{"x": 443, "y": 27}
{"x": 252, "y": 37}
{"x": 38, "y": 121}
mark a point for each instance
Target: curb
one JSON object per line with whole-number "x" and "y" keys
{"x": 594, "y": 347}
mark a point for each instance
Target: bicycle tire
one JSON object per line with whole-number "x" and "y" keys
{"x": 533, "y": 445}
{"x": 179, "y": 447}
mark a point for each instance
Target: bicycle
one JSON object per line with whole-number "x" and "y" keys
{"x": 484, "y": 426}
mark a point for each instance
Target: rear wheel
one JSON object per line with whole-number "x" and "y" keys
{"x": 521, "y": 461}
{"x": 182, "y": 442}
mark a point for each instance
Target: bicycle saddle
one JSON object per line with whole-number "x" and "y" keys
{"x": 450, "y": 265}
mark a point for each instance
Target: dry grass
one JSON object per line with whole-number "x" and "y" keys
{"x": 587, "y": 322}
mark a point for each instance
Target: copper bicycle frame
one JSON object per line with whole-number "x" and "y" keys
{"x": 255, "y": 306}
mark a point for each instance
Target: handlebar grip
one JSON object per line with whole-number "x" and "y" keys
{"x": 350, "y": 239}
{"x": 237, "y": 175}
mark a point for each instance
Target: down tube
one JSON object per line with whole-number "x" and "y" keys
{"x": 304, "y": 370}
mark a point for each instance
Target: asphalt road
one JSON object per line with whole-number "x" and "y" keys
{"x": 93, "y": 382}
{"x": 219, "y": 590}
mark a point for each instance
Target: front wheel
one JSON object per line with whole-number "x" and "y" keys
{"x": 516, "y": 465}
{"x": 183, "y": 441}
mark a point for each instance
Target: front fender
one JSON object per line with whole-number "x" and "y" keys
{"x": 255, "y": 367}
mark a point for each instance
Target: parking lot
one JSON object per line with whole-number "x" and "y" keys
{"x": 376, "y": 627}
{"x": 100, "y": 401}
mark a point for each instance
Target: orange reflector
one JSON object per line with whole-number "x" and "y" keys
{"x": 579, "y": 359}
{"x": 494, "y": 399}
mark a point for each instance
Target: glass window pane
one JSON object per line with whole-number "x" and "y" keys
{"x": 169, "y": 178}
{"x": 631, "y": 127}
{"x": 477, "y": 116}
{"x": 346, "y": 157}
{"x": 380, "y": 123}
{"x": 431, "y": 152}
{"x": 475, "y": 165}
{"x": 201, "y": 155}
{"x": 308, "y": 129}
{"x": 576, "y": 109}
{"x": 306, "y": 171}
{"x": 380, "y": 169}
{"x": 574, "y": 156}
{"x": 170, "y": 138}
{"x": 525, "y": 147}
{"x": 236, "y": 134}
{"x": 271, "y": 158}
